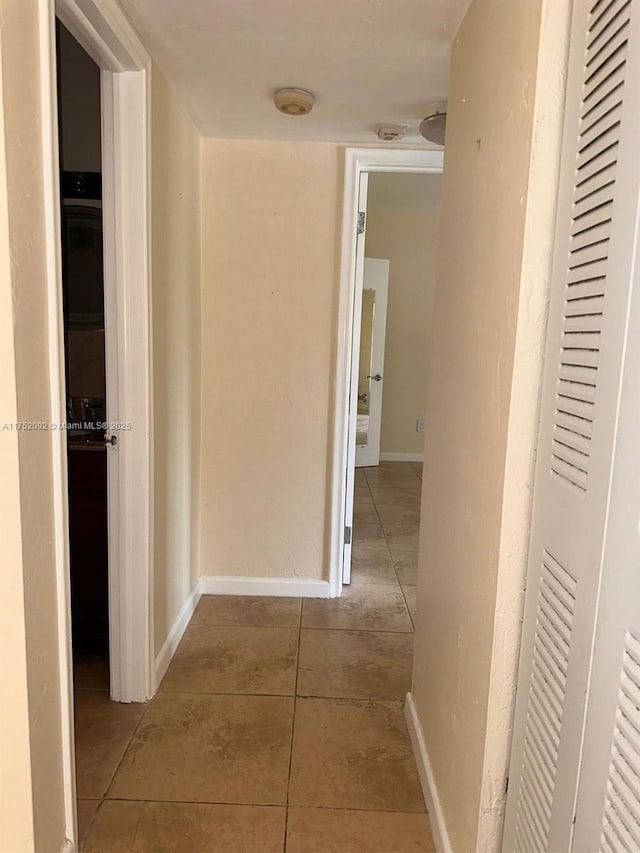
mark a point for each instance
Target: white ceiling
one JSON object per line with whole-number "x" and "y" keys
{"x": 404, "y": 191}
{"x": 366, "y": 61}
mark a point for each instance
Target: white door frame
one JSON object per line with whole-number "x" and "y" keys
{"x": 104, "y": 32}
{"x": 358, "y": 161}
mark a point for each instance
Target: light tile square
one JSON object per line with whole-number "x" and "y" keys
{"x": 224, "y": 749}
{"x": 333, "y": 830}
{"x": 353, "y": 755}
{"x": 396, "y": 495}
{"x": 224, "y": 659}
{"x": 401, "y": 527}
{"x": 362, "y": 495}
{"x": 366, "y": 535}
{"x": 355, "y": 664}
{"x": 187, "y": 828}
{"x": 363, "y": 607}
{"x": 86, "y": 811}
{"x": 365, "y": 513}
{"x": 260, "y": 611}
{"x": 103, "y": 731}
{"x": 372, "y": 564}
{"x": 113, "y": 829}
{"x": 406, "y": 564}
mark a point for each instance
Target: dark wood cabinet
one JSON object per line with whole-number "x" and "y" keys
{"x": 88, "y": 543}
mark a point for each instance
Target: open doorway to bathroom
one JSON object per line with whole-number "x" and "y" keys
{"x": 79, "y": 138}
{"x": 98, "y": 83}
{"x": 386, "y": 295}
{"x": 398, "y": 287}
{"x": 96, "y": 120}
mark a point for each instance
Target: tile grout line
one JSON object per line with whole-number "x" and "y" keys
{"x": 404, "y": 597}
{"x": 293, "y": 724}
{"x": 89, "y": 827}
{"x": 393, "y": 563}
{"x": 105, "y": 796}
{"x": 260, "y": 805}
{"x": 323, "y": 627}
{"x": 125, "y": 750}
{"x": 267, "y": 696}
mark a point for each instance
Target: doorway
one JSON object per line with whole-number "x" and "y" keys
{"x": 79, "y": 131}
{"x": 373, "y": 327}
{"x": 398, "y": 287}
{"x": 401, "y": 236}
{"x": 112, "y": 505}
{"x": 398, "y": 456}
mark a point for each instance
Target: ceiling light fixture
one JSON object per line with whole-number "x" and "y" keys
{"x": 293, "y": 102}
{"x": 433, "y": 126}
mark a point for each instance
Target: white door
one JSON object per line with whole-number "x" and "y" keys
{"x": 373, "y": 323}
{"x": 358, "y": 277}
{"x": 608, "y": 809}
{"x": 589, "y": 300}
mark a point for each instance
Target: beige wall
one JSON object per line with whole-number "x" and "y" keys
{"x": 16, "y": 810}
{"x": 31, "y": 641}
{"x": 175, "y": 198}
{"x": 409, "y": 239}
{"x": 524, "y": 412}
{"x": 270, "y": 214}
{"x": 479, "y": 435}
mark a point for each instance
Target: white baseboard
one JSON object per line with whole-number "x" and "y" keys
{"x": 68, "y": 847}
{"x": 402, "y": 457}
{"x": 427, "y": 779}
{"x": 163, "y": 658}
{"x": 288, "y": 587}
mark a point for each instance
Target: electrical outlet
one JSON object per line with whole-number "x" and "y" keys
{"x": 420, "y": 425}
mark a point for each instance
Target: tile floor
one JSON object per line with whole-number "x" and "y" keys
{"x": 279, "y": 724}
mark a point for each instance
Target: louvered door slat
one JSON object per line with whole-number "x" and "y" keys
{"x": 579, "y": 305}
{"x": 609, "y": 45}
{"x": 595, "y": 97}
{"x": 588, "y": 225}
{"x": 603, "y": 102}
{"x": 584, "y": 352}
{"x": 594, "y": 277}
{"x": 590, "y": 243}
{"x": 577, "y": 373}
{"x": 602, "y": 114}
{"x": 544, "y": 791}
{"x": 588, "y": 198}
{"x": 603, "y": 16}
{"x": 589, "y": 252}
{"x": 621, "y": 810}
{"x": 594, "y": 152}
{"x": 592, "y": 164}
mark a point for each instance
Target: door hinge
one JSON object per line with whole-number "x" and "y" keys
{"x": 347, "y": 536}
{"x": 361, "y": 220}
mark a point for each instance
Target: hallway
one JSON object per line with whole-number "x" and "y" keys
{"x": 279, "y": 724}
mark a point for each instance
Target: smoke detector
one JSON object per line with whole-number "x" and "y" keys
{"x": 293, "y": 102}
{"x": 391, "y": 132}
{"x": 433, "y": 126}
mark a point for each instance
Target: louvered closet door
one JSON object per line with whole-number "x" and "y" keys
{"x": 608, "y": 813}
{"x": 583, "y": 363}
